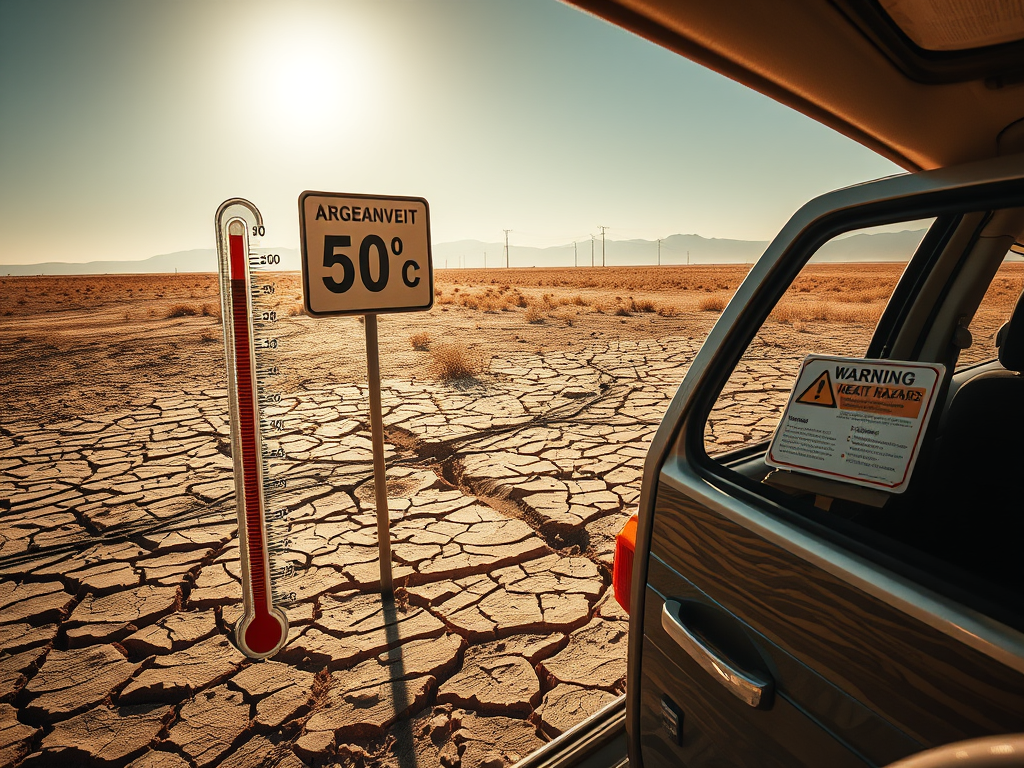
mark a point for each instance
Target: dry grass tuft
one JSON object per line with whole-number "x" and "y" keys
{"x": 534, "y": 315}
{"x": 668, "y": 310}
{"x": 208, "y": 337}
{"x": 420, "y": 341}
{"x": 712, "y": 304}
{"x": 455, "y": 362}
{"x": 183, "y": 310}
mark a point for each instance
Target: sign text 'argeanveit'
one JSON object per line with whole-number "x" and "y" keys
{"x": 856, "y": 420}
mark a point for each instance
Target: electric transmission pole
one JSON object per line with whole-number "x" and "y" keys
{"x": 602, "y": 244}
{"x": 659, "y": 251}
{"x": 506, "y": 231}
{"x": 575, "y": 255}
{"x": 591, "y": 250}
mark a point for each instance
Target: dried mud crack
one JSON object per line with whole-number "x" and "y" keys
{"x": 119, "y": 573}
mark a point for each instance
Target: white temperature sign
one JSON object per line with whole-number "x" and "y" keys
{"x": 365, "y": 254}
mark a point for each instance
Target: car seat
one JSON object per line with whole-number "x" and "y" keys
{"x": 976, "y": 486}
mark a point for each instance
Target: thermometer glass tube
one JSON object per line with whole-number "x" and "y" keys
{"x": 263, "y": 627}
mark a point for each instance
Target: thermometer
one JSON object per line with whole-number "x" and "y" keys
{"x": 250, "y": 345}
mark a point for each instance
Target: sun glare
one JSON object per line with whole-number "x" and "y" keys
{"x": 313, "y": 83}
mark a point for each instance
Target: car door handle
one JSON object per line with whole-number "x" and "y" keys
{"x": 752, "y": 688}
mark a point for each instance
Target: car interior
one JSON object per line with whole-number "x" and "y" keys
{"x": 958, "y": 526}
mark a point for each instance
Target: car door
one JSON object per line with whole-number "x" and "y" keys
{"x": 771, "y": 628}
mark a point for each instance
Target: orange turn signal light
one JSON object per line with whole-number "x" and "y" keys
{"x": 622, "y": 566}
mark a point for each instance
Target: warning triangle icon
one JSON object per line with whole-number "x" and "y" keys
{"x": 819, "y": 393}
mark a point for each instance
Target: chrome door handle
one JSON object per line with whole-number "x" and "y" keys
{"x": 749, "y": 687}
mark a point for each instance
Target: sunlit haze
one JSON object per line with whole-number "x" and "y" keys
{"x": 124, "y": 124}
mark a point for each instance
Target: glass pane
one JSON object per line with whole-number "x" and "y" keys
{"x": 994, "y": 310}
{"x": 830, "y": 309}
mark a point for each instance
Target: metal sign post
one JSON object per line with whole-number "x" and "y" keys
{"x": 380, "y": 483}
{"x": 367, "y": 255}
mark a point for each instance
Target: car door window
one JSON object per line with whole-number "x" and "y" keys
{"x": 831, "y": 308}
{"x": 928, "y": 529}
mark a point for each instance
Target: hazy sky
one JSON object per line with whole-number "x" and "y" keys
{"x": 123, "y": 125}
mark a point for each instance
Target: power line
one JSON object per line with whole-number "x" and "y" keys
{"x": 591, "y": 250}
{"x": 602, "y": 243}
{"x": 506, "y": 231}
{"x": 659, "y": 251}
{"x": 575, "y": 255}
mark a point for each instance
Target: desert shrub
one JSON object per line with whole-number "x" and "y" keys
{"x": 825, "y": 312}
{"x": 420, "y": 341}
{"x": 295, "y": 310}
{"x": 454, "y": 362}
{"x": 667, "y": 310}
{"x": 784, "y": 313}
{"x": 210, "y": 310}
{"x": 712, "y": 304}
{"x": 622, "y": 311}
{"x": 183, "y": 310}
{"x": 534, "y": 315}
{"x": 644, "y": 305}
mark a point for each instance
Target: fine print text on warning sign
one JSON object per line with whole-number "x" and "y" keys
{"x": 856, "y": 420}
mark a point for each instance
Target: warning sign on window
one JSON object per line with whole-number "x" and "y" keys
{"x": 856, "y": 420}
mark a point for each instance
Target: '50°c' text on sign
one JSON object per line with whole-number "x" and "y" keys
{"x": 365, "y": 254}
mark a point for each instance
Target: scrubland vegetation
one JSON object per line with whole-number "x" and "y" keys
{"x": 824, "y": 293}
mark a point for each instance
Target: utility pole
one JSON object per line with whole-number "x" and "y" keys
{"x": 659, "y": 251}
{"x": 602, "y": 244}
{"x": 687, "y": 258}
{"x": 575, "y": 255}
{"x": 591, "y": 250}
{"x": 506, "y": 231}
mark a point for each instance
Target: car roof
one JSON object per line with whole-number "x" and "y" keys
{"x": 848, "y": 65}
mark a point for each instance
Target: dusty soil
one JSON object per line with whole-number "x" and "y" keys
{"x": 517, "y": 412}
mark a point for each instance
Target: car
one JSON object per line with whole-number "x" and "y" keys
{"x": 797, "y": 599}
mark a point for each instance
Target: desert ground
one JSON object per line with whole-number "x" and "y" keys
{"x": 517, "y": 414}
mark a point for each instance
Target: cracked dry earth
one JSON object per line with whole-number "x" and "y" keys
{"x": 119, "y": 575}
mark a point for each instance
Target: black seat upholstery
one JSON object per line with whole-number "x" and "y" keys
{"x": 977, "y": 481}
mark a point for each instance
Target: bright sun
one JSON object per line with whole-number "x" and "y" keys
{"x": 312, "y": 83}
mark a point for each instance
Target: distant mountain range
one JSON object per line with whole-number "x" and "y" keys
{"x": 676, "y": 249}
